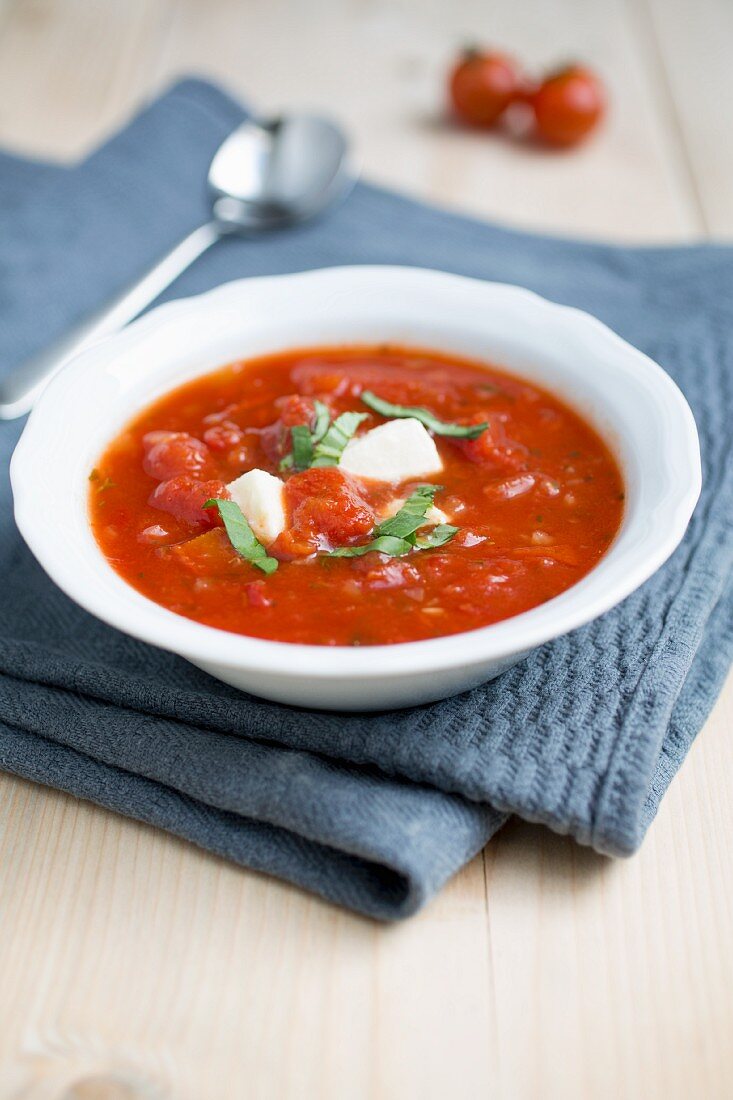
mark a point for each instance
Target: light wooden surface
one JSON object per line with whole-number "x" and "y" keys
{"x": 132, "y": 965}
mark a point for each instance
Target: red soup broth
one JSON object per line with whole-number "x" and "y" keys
{"x": 537, "y": 499}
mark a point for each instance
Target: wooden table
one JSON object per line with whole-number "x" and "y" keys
{"x": 133, "y": 965}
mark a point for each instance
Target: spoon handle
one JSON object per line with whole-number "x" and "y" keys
{"x": 20, "y": 388}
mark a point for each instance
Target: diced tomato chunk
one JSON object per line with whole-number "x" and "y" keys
{"x": 290, "y": 545}
{"x": 256, "y": 594}
{"x": 493, "y": 447}
{"x": 326, "y": 505}
{"x": 184, "y": 497}
{"x": 295, "y": 410}
{"x": 222, "y": 437}
{"x": 209, "y": 555}
{"x": 508, "y": 488}
{"x": 381, "y": 571}
{"x": 168, "y": 454}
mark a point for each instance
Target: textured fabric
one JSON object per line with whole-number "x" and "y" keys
{"x": 372, "y": 811}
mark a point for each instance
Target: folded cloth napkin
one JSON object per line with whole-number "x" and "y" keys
{"x": 371, "y": 811}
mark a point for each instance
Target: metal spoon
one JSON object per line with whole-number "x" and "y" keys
{"x": 264, "y": 176}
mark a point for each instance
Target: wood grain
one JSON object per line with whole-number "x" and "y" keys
{"x": 132, "y": 965}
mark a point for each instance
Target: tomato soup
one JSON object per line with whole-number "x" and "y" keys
{"x": 355, "y": 496}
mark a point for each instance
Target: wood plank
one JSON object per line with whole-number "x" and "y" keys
{"x": 126, "y": 951}
{"x": 693, "y": 44}
{"x": 71, "y": 72}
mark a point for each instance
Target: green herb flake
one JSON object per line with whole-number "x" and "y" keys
{"x": 302, "y": 447}
{"x": 398, "y": 536}
{"x": 436, "y": 536}
{"x": 323, "y": 419}
{"x": 304, "y": 440}
{"x": 428, "y": 419}
{"x": 412, "y": 513}
{"x": 384, "y": 544}
{"x": 241, "y": 535}
{"x": 94, "y": 475}
{"x": 328, "y": 451}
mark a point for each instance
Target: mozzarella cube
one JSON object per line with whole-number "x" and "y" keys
{"x": 396, "y": 451}
{"x": 260, "y": 496}
{"x": 433, "y": 516}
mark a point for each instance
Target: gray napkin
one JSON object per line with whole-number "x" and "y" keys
{"x": 372, "y": 811}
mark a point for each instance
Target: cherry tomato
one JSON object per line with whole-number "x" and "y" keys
{"x": 568, "y": 105}
{"x": 482, "y": 85}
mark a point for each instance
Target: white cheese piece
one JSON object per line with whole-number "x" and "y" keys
{"x": 395, "y": 451}
{"x": 435, "y": 515}
{"x": 260, "y": 496}
{"x": 432, "y": 516}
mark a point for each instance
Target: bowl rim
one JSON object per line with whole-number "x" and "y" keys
{"x": 142, "y": 618}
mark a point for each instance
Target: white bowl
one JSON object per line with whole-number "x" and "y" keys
{"x": 630, "y": 400}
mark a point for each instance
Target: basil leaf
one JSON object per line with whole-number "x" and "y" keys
{"x": 241, "y": 535}
{"x": 397, "y": 535}
{"x": 385, "y": 544}
{"x": 411, "y": 515}
{"x": 331, "y": 447}
{"x": 323, "y": 419}
{"x": 398, "y": 547}
{"x": 304, "y": 440}
{"x": 302, "y": 447}
{"x": 436, "y": 536}
{"x": 440, "y": 427}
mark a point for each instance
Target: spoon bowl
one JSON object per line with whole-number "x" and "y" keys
{"x": 268, "y": 174}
